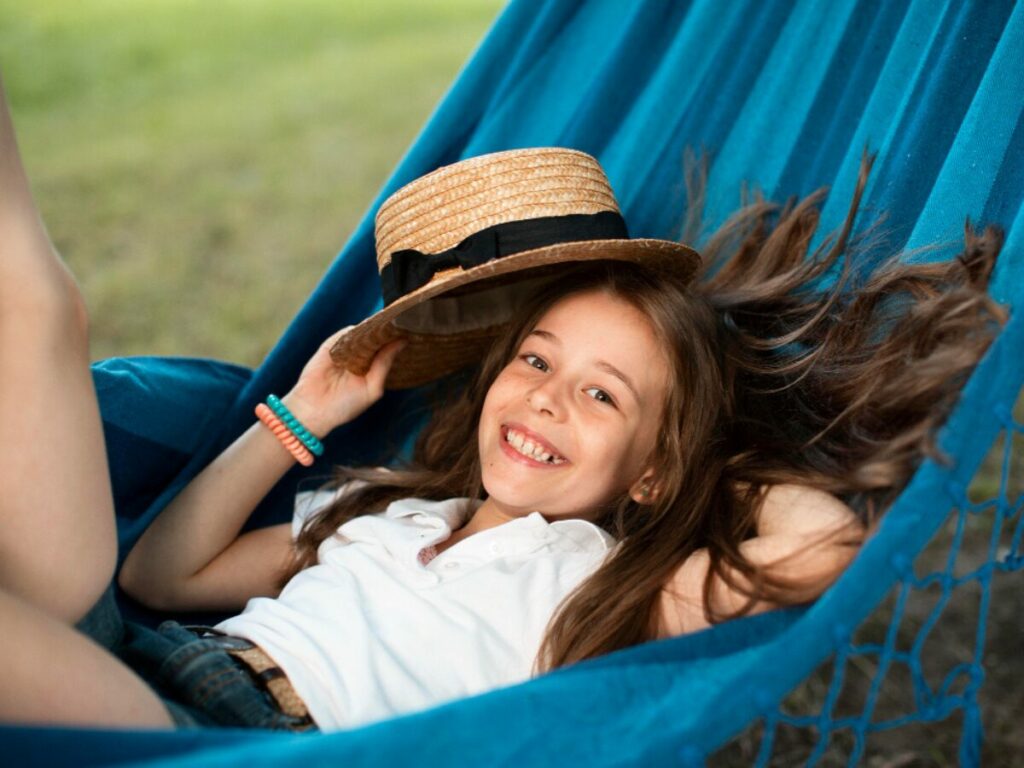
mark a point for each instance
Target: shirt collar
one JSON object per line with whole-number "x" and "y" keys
{"x": 452, "y": 512}
{"x": 573, "y": 534}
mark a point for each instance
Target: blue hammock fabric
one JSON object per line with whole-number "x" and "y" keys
{"x": 784, "y": 95}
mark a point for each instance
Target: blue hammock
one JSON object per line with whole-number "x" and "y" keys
{"x": 786, "y": 95}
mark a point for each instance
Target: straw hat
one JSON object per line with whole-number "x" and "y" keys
{"x": 460, "y": 248}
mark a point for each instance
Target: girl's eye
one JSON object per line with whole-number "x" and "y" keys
{"x": 602, "y": 396}
{"x": 539, "y": 363}
{"x": 535, "y": 361}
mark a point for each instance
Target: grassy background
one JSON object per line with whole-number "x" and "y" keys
{"x": 199, "y": 164}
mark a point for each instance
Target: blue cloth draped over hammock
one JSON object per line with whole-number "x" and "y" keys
{"x": 784, "y": 95}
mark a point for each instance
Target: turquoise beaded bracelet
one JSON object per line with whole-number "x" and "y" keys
{"x": 308, "y": 438}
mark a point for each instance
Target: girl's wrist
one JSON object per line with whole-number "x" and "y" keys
{"x": 308, "y": 415}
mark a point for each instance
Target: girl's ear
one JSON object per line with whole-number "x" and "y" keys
{"x": 645, "y": 490}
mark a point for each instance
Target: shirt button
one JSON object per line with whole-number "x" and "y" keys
{"x": 451, "y": 566}
{"x": 496, "y": 548}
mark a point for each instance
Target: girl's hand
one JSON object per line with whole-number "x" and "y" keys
{"x": 327, "y": 396}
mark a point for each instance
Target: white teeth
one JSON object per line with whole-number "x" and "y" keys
{"x": 530, "y": 449}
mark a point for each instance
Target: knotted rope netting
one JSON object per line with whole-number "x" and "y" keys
{"x": 913, "y": 670}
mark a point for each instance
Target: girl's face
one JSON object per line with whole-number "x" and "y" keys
{"x": 583, "y": 398}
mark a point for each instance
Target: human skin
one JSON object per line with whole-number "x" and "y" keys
{"x": 559, "y": 390}
{"x": 58, "y": 543}
{"x": 57, "y": 675}
{"x": 57, "y": 539}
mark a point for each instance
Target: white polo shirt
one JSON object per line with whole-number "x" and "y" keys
{"x": 371, "y": 632}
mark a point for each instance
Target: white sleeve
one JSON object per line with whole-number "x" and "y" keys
{"x": 308, "y": 503}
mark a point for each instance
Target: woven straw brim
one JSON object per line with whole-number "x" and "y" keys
{"x": 429, "y": 356}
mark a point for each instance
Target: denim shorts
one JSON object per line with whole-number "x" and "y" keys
{"x": 199, "y": 683}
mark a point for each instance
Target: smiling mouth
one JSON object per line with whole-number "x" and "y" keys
{"x": 523, "y": 446}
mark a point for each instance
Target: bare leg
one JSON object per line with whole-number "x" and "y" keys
{"x": 58, "y": 542}
{"x": 57, "y": 537}
{"x": 55, "y": 674}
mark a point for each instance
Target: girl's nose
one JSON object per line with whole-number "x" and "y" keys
{"x": 545, "y": 398}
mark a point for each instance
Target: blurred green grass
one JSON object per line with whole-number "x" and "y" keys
{"x": 199, "y": 164}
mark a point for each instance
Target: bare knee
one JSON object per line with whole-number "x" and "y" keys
{"x": 66, "y": 304}
{"x": 54, "y": 310}
{"x": 36, "y": 284}
{"x": 75, "y": 313}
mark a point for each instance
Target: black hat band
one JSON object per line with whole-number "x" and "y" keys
{"x": 410, "y": 269}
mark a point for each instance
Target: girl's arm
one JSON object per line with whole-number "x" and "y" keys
{"x": 803, "y": 536}
{"x": 191, "y": 556}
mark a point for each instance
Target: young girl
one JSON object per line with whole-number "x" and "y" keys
{"x": 635, "y": 456}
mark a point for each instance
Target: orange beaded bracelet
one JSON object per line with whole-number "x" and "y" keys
{"x": 282, "y": 433}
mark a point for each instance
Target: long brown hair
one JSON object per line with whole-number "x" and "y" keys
{"x": 777, "y": 381}
{"x": 842, "y": 388}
